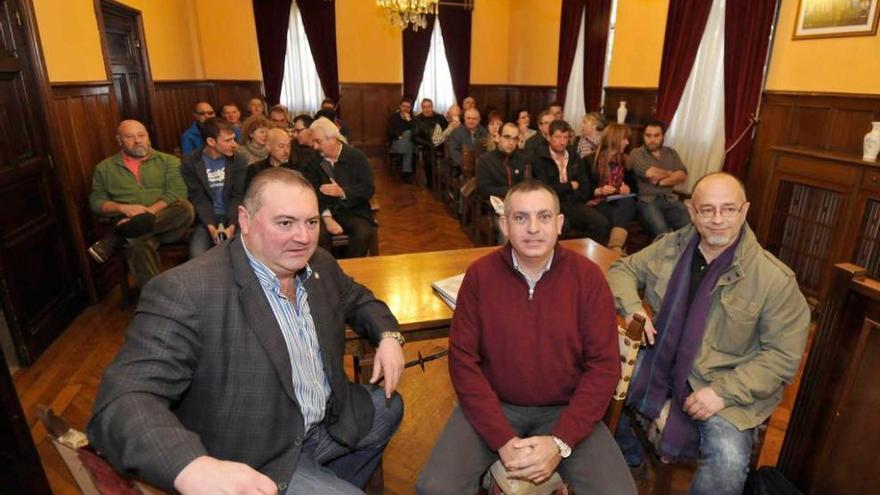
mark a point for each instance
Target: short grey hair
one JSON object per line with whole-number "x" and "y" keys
{"x": 529, "y": 185}
{"x": 324, "y": 126}
{"x": 253, "y": 197}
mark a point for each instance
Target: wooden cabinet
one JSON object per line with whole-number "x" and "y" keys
{"x": 821, "y": 208}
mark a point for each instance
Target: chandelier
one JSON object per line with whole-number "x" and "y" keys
{"x": 409, "y": 12}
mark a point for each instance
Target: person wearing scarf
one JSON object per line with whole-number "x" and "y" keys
{"x": 611, "y": 180}
{"x": 729, "y": 331}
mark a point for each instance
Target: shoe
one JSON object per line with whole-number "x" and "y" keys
{"x": 99, "y": 252}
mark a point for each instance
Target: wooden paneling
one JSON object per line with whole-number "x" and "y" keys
{"x": 174, "y": 100}
{"x": 365, "y": 108}
{"x": 640, "y": 104}
{"x": 822, "y": 121}
{"x": 507, "y": 99}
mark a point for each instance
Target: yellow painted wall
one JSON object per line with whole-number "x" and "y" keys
{"x": 533, "y": 41}
{"x": 228, "y": 39}
{"x": 172, "y": 36}
{"x": 837, "y": 65}
{"x": 490, "y": 34}
{"x": 638, "y": 43}
{"x": 368, "y": 47}
{"x": 70, "y": 40}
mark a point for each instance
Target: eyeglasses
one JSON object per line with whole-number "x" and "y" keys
{"x": 509, "y": 137}
{"x": 727, "y": 211}
{"x": 206, "y": 112}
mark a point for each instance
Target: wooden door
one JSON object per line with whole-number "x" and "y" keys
{"x": 125, "y": 59}
{"x": 39, "y": 285}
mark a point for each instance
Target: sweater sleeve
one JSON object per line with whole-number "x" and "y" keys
{"x": 478, "y": 400}
{"x": 600, "y": 363}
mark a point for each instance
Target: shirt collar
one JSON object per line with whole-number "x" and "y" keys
{"x": 543, "y": 270}
{"x": 268, "y": 279}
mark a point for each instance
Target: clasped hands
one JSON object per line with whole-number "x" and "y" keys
{"x": 531, "y": 458}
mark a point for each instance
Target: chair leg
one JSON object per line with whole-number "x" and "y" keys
{"x": 376, "y": 483}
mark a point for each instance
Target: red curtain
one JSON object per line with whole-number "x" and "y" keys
{"x": 416, "y": 45}
{"x": 272, "y": 18}
{"x": 569, "y": 30}
{"x": 595, "y": 44}
{"x": 455, "y": 21}
{"x": 319, "y": 21}
{"x": 685, "y": 24}
{"x": 747, "y": 27}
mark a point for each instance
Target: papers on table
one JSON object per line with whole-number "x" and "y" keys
{"x": 447, "y": 288}
{"x": 615, "y": 197}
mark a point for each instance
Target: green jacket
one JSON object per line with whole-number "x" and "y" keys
{"x": 756, "y": 329}
{"x": 160, "y": 179}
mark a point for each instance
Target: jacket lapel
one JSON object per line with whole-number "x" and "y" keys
{"x": 260, "y": 316}
{"x": 321, "y": 317}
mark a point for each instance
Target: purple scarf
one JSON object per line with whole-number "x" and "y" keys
{"x": 668, "y": 363}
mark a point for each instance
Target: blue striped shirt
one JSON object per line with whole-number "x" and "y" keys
{"x": 310, "y": 383}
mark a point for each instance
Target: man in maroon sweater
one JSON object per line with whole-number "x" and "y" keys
{"x": 534, "y": 361}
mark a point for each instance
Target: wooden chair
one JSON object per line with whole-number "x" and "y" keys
{"x": 629, "y": 341}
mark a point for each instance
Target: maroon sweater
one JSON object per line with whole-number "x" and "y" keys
{"x": 559, "y": 348}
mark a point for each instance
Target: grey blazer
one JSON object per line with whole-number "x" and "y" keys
{"x": 205, "y": 371}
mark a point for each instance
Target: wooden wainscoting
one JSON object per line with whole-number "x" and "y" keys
{"x": 365, "y": 108}
{"x": 507, "y": 99}
{"x": 821, "y": 121}
{"x": 640, "y": 103}
{"x": 174, "y": 100}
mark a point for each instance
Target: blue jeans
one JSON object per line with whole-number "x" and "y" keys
{"x": 327, "y": 467}
{"x": 404, "y": 146}
{"x": 662, "y": 215}
{"x": 725, "y": 453}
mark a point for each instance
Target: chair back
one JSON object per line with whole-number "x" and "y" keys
{"x": 629, "y": 340}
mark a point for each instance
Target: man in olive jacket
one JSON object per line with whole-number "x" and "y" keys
{"x": 731, "y": 325}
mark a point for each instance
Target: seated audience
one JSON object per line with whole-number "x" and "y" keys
{"x": 232, "y": 114}
{"x": 256, "y": 106}
{"x": 541, "y": 139}
{"x": 231, "y": 375}
{"x": 555, "y": 110}
{"x": 400, "y": 136}
{"x": 192, "y": 139}
{"x": 332, "y": 117}
{"x": 278, "y": 147}
{"x": 453, "y": 116}
{"x": 728, "y": 333}
{"x": 214, "y": 178}
{"x": 468, "y": 103}
{"x": 523, "y": 121}
{"x": 588, "y": 141}
{"x": 534, "y": 361}
{"x": 468, "y": 138}
{"x": 427, "y": 123}
{"x": 502, "y": 167}
{"x": 280, "y": 117}
{"x": 329, "y": 104}
{"x": 609, "y": 177}
{"x": 143, "y": 193}
{"x": 559, "y": 166}
{"x": 344, "y": 181}
{"x": 303, "y": 146}
{"x": 658, "y": 169}
{"x": 253, "y": 135}
{"x": 493, "y": 128}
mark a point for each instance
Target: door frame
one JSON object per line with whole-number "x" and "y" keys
{"x": 150, "y": 93}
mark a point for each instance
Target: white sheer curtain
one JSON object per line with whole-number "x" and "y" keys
{"x": 697, "y": 129}
{"x": 574, "y": 108}
{"x": 437, "y": 80}
{"x": 301, "y": 88}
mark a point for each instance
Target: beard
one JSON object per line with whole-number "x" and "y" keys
{"x": 718, "y": 240}
{"x": 137, "y": 151}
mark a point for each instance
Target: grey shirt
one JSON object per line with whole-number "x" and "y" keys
{"x": 640, "y": 160}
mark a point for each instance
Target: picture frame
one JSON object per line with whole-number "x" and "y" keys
{"x": 836, "y": 18}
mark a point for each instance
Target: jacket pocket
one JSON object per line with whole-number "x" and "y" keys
{"x": 737, "y": 330}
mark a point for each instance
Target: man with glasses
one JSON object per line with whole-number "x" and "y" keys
{"x": 658, "y": 170}
{"x": 302, "y": 146}
{"x": 192, "y": 139}
{"x": 502, "y": 168}
{"x": 541, "y": 139}
{"x": 534, "y": 361}
{"x": 729, "y": 329}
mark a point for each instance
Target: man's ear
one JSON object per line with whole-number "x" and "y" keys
{"x": 211, "y": 142}
{"x": 244, "y": 219}
{"x": 561, "y": 219}
{"x": 502, "y": 222}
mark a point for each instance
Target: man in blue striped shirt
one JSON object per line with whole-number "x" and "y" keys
{"x": 231, "y": 375}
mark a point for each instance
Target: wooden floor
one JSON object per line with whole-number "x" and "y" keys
{"x": 66, "y": 377}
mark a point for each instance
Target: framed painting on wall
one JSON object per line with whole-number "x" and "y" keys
{"x": 833, "y": 18}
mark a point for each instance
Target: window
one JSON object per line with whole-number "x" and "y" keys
{"x": 301, "y": 88}
{"x": 437, "y": 80}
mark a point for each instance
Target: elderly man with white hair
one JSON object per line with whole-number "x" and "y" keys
{"x": 344, "y": 182}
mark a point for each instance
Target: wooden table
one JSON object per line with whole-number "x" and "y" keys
{"x": 404, "y": 283}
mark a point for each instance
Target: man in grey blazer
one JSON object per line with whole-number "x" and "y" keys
{"x": 231, "y": 375}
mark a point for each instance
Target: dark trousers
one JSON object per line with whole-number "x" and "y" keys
{"x": 142, "y": 253}
{"x": 619, "y": 213}
{"x": 359, "y": 231}
{"x": 587, "y": 220}
{"x": 460, "y": 456}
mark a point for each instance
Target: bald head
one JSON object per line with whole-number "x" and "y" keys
{"x": 716, "y": 181}
{"x": 471, "y": 118}
{"x": 133, "y": 138}
{"x": 278, "y": 145}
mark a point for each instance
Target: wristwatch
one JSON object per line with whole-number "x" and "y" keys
{"x": 564, "y": 449}
{"x": 393, "y": 335}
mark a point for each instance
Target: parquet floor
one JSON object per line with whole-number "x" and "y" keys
{"x": 66, "y": 377}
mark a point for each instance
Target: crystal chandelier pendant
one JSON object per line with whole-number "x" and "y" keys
{"x": 403, "y": 13}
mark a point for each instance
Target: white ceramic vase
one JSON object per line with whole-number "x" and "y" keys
{"x": 621, "y": 113}
{"x": 871, "y": 144}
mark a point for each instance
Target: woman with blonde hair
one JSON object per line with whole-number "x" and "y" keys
{"x": 254, "y": 132}
{"x": 614, "y": 185}
{"x": 588, "y": 141}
